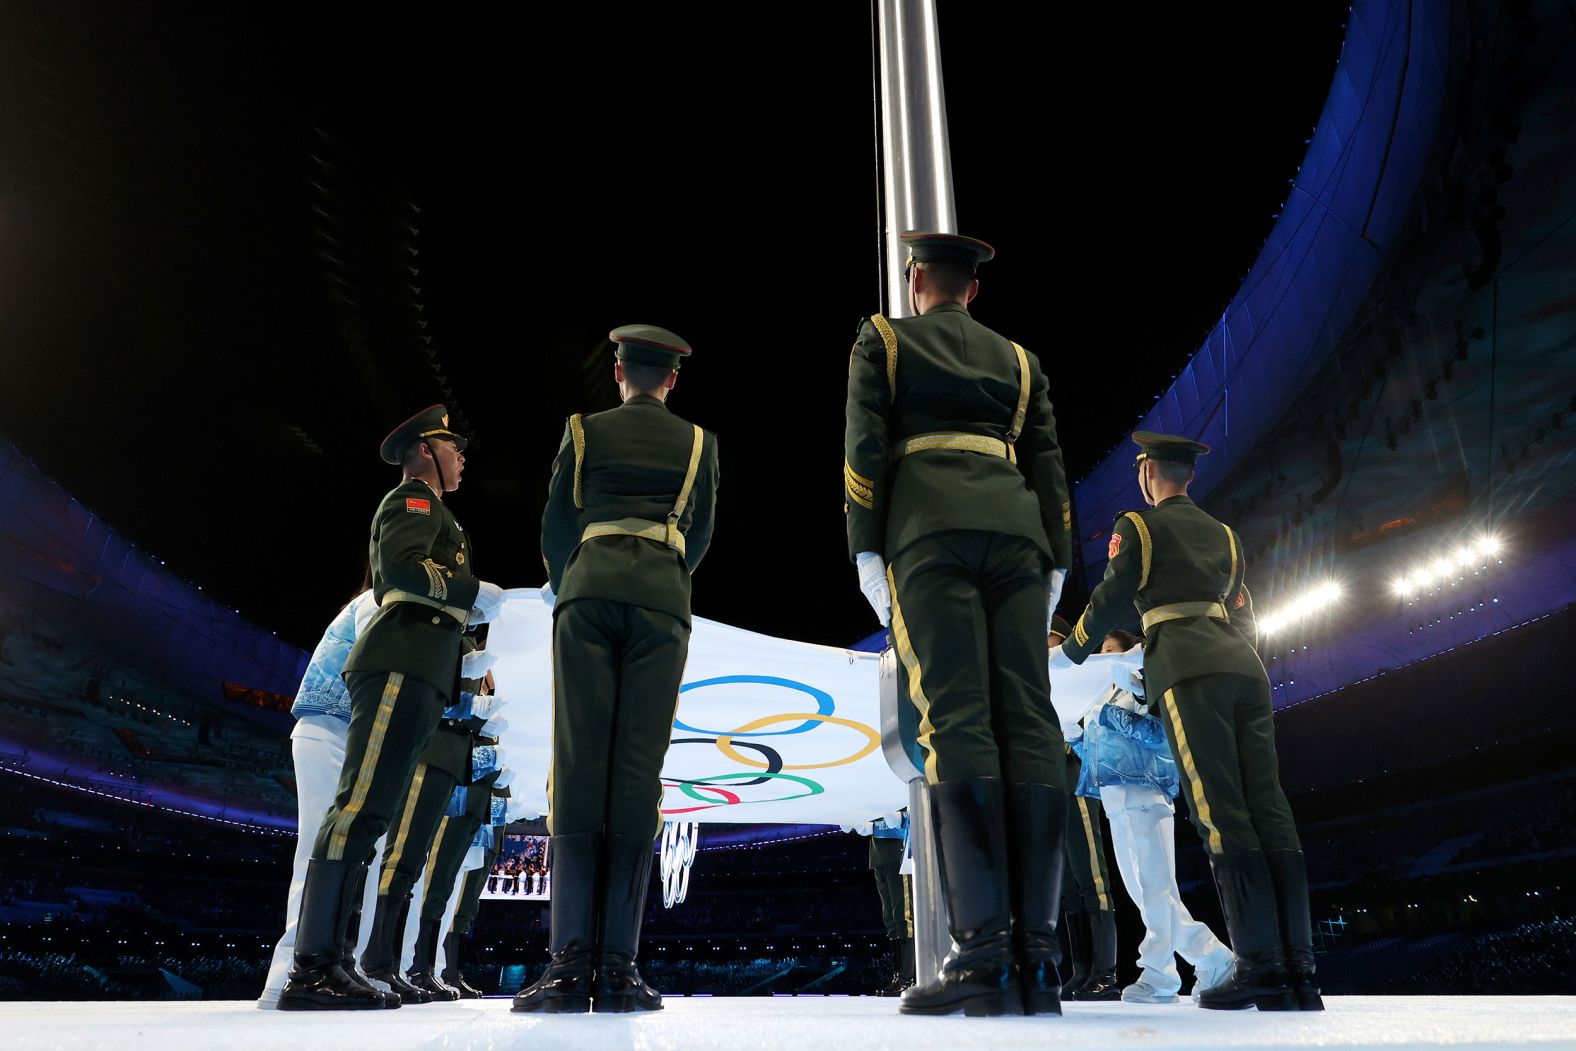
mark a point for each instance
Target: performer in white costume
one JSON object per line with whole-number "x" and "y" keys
{"x": 317, "y": 745}
{"x": 1129, "y": 766}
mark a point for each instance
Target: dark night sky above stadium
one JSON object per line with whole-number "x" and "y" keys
{"x": 238, "y": 243}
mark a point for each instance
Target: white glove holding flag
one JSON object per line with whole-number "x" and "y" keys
{"x": 1053, "y": 582}
{"x": 494, "y": 727}
{"x": 1129, "y": 678}
{"x": 548, "y": 596}
{"x": 1059, "y": 660}
{"x": 489, "y": 600}
{"x": 516, "y": 809}
{"x": 477, "y": 663}
{"x": 484, "y": 706}
{"x": 505, "y": 777}
{"x": 873, "y": 582}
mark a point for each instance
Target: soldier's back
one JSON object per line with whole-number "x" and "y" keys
{"x": 956, "y": 376}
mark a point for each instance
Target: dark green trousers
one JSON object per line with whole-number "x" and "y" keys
{"x": 1222, "y": 732}
{"x": 415, "y": 830}
{"x": 449, "y": 847}
{"x": 1086, "y": 878}
{"x": 392, "y": 718}
{"x": 968, "y": 621}
{"x": 616, "y": 675}
{"x": 475, "y": 880}
{"x": 886, "y": 857}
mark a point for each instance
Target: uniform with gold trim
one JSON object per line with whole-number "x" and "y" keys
{"x": 953, "y": 479}
{"x": 471, "y": 810}
{"x": 401, "y": 673}
{"x": 416, "y": 830}
{"x": 1088, "y": 914}
{"x": 888, "y": 844}
{"x": 629, "y": 516}
{"x": 490, "y": 836}
{"x": 1184, "y": 572}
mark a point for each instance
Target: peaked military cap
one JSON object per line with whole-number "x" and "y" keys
{"x": 1060, "y": 626}
{"x": 927, "y": 247}
{"x": 1154, "y": 446}
{"x": 649, "y": 345}
{"x": 431, "y": 422}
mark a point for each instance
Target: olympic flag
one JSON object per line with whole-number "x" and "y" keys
{"x": 767, "y": 730}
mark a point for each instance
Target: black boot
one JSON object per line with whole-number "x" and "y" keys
{"x": 1101, "y": 983}
{"x": 1247, "y": 897}
{"x": 1289, "y": 873}
{"x": 317, "y": 982}
{"x": 423, "y": 966}
{"x": 565, "y": 987}
{"x": 1036, "y": 817}
{"x": 902, "y": 967}
{"x": 381, "y": 960}
{"x": 980, "y": 977}
{"x": 1077, "y": 925}
{"x": 626, "y": 874}
{"x": 352, "y": 933}
{"x": 453, "y": 977}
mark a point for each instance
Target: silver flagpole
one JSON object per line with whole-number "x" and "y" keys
{"x": 916, "y": 184}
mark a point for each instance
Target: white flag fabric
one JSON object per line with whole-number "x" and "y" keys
{"x": 768, "y": 730}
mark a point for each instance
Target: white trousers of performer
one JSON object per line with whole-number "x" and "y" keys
{"x": 1143, "y": 838}
{"x": 318, "y": 746}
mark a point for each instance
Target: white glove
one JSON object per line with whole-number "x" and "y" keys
{"x": 1127, "y": 677}
{"x": 505, "y": 776}
{"x": 873, "y": 582}
{"x": 548, "y": 596}
{"x": 1059, "y": 660}
{"x": 494, "y": 727}
{"x": 1053, "y": 581}
{"x": 516, "y": 808}
{"x": 489, "y": 600}
{"x": 477, "y": 663}
{"x": 484, "y": 705}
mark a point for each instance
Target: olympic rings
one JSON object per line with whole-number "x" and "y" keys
{"x": 728, "y": 799}
{"x": 815, "y": 788}
{"x": 824, "y": 705}
{"x": 774, "y": 761}
{"x": 726, "y": 747}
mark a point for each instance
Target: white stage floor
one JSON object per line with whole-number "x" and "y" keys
{"x": 770, "y": 1024}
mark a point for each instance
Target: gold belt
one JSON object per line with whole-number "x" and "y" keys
{"x": 644, "y": 528}
{"x": 1183, "y": 610}
{"x": 458, "y": 614}
{"x": 972, "y": 443}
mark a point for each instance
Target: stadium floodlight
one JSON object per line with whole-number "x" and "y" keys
{"x": 1315, "y": 599}
{"x": 1404, "y": 587}
{"x": 1488, "y": 545}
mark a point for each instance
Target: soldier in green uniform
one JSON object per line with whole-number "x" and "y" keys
{"x": 401, "y": 673}
{"x": 959, "y": 524}
{"x": 1184, "y": 572}
{"x": 442, "y": 765}
{"x": 1088, "y": 914}
{"x": 629, "y": 516}
{"x": 888, "y": 843}
{"x": 471, "y": 809}
{"x": 471, "y": 896}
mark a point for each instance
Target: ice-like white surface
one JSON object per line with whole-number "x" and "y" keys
{"x": 782, "y": 1023}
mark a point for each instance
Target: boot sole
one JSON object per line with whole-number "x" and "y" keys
{"x": 983, "y": 1005}
{"x": 1042, "y": 1004}
{"x": 563, "y": 1005}
{"x": 303, "y": 1004}
{"x": 620, "y": 1005}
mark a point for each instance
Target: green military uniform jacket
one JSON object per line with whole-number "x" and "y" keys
{"x": 425, "y": 584}
{"x": 951, "y": 374}
{"x": 628, "y": 463}
{"x": 1174, "y": 553}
